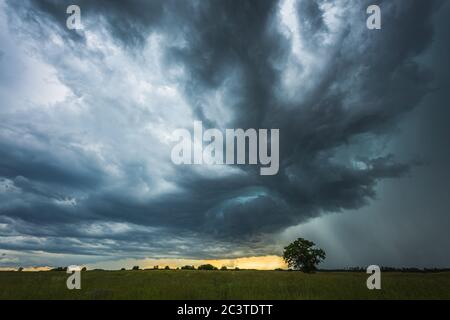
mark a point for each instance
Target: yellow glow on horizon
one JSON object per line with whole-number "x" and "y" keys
{"x": 261, "y": 263}
{"x": 270, "y": 262}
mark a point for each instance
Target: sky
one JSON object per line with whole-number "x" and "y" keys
{"x": 86, "y": 118}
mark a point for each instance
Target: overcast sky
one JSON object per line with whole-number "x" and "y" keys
{"x": 86, "y": 118}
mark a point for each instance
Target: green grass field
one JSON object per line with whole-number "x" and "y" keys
{"x": 184, "y": 284}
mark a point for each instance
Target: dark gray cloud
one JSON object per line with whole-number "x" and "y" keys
{"x": 336, "y": 91}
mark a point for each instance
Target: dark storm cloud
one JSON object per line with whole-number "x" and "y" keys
{"x": 38, "y": 165}
{"x": 370, "y": 79}
{"x": 310, "y": 131}
{"x": 129, "y": 22}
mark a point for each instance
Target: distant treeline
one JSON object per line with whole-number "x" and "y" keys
{"x": 388, "y": 269}
{"x": 350, "y": 269}
{"x": 65, "y": 269}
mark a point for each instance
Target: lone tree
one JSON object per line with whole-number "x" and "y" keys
{"x": 303, "y": 255}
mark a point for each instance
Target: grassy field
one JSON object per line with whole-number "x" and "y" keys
{"x": 185, "y": 284}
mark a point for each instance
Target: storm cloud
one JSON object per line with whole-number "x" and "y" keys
{"x": 86, "y": 118}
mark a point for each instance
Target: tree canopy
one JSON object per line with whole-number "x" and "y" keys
{"x": 303, "y": 255}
